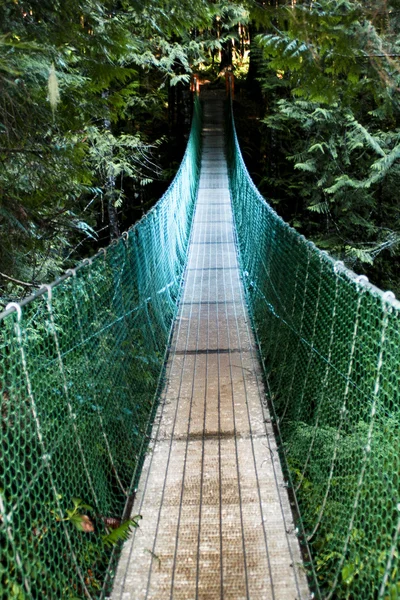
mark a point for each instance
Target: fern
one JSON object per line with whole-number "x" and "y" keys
{"x": 320, "y": 207}
{"x": 359, "y": 254}
{"x": 318, "y": 146}
{"x": 122, "y": 532}
{"x": 356, "y": 140}
{"x": 383, "y": 165}
{"x": 309, "y": 166}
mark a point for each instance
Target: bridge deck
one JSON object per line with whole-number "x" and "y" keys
{"x": 216, "y": 521}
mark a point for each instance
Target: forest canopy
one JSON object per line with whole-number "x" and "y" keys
{"x": 93, "y": 91}
{"x": 329, "y": 148}
{"x": 90, "y": 92}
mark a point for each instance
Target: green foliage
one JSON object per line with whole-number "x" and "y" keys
{"x": 84, "y": 84}
{"x": 121, "y": 533}
{"x": 80, "y": 375}
{"x": 365, "y": 555}
{"x": 329, "y": 345}
{"x": 329, "y": 72}
{"x": 74, "y": 515}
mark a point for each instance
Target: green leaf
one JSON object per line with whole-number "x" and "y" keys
{"x": 78, "y": 503}
{"x": 348, "y": 572}
{"x": 122, "y": 532}
{"x": 309, "y": 166}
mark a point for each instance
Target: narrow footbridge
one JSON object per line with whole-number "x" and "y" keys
{"x": 215, "y": 373}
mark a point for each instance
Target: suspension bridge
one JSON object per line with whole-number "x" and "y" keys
{"x": 215, "y": 373}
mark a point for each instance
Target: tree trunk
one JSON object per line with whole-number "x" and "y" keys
{"x": 226, "y": 58}
{"x": 252, "y": 82}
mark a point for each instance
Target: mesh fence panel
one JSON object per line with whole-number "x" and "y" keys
{"x": 330, "y": 343}
{"x": 80, "y": 370}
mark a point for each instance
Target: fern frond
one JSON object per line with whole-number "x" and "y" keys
{"x": 320, "y": 208}
{"x": 341, "y": 182}
{"x": 319, "y": 147}
{"x": 383, "y": 165}
{"x": 359, "y": 254}
{"x": 122, "y": 532}
{"x": 309, "y": 166}
{"x": 371, "y": 140}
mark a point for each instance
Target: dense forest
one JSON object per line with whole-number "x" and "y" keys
{"x": 94, "y": 108}
{"x": 324, "y": 147}
{"x": 95, "y": 95}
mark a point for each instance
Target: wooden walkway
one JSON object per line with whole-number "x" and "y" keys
{"x": 216, "y": 521}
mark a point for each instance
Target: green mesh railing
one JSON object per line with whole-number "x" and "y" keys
{"x": 330, "y": 346}
{"x": 80, "y": 370}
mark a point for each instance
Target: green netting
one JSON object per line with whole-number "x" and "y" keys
{"x": 80, "y": 371}
{"x": 330, "y": 346}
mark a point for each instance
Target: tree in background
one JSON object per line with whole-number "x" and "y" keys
{"x": 329, "y": 72}
{"x": 83, "y": 113}
{"x": 84, "y": 90}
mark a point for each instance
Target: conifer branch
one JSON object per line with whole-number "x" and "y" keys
{"x": 24, "y": 283}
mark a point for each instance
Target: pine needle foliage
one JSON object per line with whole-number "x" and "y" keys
{"x": 84, "y": 84}
{"x": 330, "y": 72}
